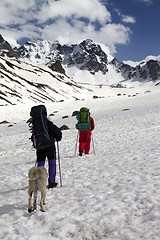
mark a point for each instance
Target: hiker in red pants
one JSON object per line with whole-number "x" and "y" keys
{"x": 85, "y": 125}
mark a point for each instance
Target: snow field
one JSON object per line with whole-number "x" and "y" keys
{"x": 112, "y": 194}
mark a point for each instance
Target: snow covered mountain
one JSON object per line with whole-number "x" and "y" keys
{"x": 85, "y": 56}
{"x": 143, "y": 72}
{"x": 47, "y": 71}
{"x": 87, "y": 62}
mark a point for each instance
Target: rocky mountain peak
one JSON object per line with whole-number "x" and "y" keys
{"x": 5, "y": 48}
{"x": 85, "y": 56}
{"x": 154, "y": 69}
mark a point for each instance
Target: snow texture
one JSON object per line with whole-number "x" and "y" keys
{"x": 112, "y": 194}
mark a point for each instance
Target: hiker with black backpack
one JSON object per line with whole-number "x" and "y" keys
{"x": 85, "y": 125}
{"x": 44, "y": 135}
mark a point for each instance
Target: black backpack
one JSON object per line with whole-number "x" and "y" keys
{"x": 40, "y": 134}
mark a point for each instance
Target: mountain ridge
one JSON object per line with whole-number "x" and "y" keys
{"x": 41, "y": 71}
{"x": 86, "y": 56}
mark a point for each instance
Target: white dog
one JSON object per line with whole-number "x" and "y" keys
{"x": 37, "y": 181}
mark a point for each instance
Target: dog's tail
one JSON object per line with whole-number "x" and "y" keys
{"x": 37, "y": 172}
{"x": 33, "y": 174}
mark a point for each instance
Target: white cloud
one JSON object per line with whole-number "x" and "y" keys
{"x": 91, "y": 9}
{"x": 146, "y": 1}
{"x": 109, "y": 34}
{"x": 15, "y": 12}
{"x": 115, "y": 34}
{"x": 68, "y": 21}
{"x": 125, "y": 18}
{"x": 128, "y": 19}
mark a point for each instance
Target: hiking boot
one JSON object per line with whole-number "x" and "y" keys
{"x": 52, "y": 185}
{"x": 80, "y": 153}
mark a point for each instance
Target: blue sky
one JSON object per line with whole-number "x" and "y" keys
{"x": 145, "y": 36}
{"x": 127, "y": 29}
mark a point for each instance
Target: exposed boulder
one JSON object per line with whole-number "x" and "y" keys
{"x": 56, "y": 66}
{"x": 64, "y": 127}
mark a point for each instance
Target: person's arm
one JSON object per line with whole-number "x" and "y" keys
{"x": 92, "y": 124}
{"x": 55, "y": 131}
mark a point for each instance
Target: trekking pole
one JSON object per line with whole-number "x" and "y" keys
{"x": 76, "y": 143}
{"x": 93, "y": 143}
{"x": 59, "y": 165}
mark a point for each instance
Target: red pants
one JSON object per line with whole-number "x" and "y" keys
{"x": 84, "y": 141}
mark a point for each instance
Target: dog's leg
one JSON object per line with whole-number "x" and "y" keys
{"x": 35, "y": 199}
{"x": 43, "y": 195}
{"x": 30, "y": 202}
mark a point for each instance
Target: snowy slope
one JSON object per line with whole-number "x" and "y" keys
{"x": 114, "y": 194}
{"x": 21, "y": 82}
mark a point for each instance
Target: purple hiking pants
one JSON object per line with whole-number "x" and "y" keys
{"x": 51, "y": 169}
